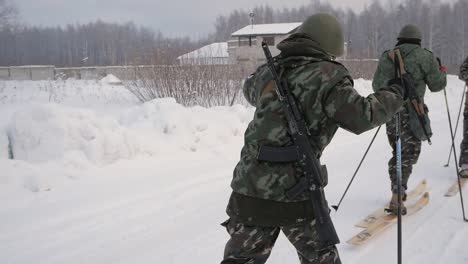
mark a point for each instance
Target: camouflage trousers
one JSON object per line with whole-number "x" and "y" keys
{"x": 410, "y": 150}
{"x": 464, "y": 144}
{"x": 253, "y": 244}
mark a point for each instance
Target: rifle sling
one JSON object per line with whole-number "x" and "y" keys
{"x": 396, "y": 54}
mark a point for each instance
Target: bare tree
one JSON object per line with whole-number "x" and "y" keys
{"x": 8, "y": 14}
{"x": 93, "y": 44}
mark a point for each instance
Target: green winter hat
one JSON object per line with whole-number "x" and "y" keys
{"x": 410, "y": 32}
{"x": 325, "y": 29}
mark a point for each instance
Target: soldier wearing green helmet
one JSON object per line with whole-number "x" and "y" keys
{"x": 259, "y": 208}
{"x": 409, "y": 32}
{"x": 326, "y": 31}
{"x": 426, "y": 70}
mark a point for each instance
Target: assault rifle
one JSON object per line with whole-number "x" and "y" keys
{"x": 312, "y": 182}
{"x": 415, "y": 101}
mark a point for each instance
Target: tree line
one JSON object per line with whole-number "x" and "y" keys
{"x": 368, "y": 34}
{"x": 93, "y": 44}
{"x": 374, "y": 30}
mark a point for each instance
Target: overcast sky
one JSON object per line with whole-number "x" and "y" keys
{"x": 173, "y": 17}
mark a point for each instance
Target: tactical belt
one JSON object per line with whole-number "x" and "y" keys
{"x": 287, "y": 154}
{"x": 278, "y": 154}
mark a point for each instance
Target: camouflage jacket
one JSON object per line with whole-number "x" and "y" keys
{"x": 464, "y": 71}
{"x": 324, "y": 92}
{"x": 424, "y": 68}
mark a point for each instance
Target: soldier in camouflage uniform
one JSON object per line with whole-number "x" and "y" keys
{"x": 258, "y": 207}
{"x": 425, "y": 69}
{"x": 464, "y": 145}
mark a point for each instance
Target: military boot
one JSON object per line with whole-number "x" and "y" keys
{"x": 393, "y": 206}
{"x": 464, "y": 171}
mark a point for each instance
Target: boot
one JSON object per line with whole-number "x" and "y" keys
{"x": 464, "y": 174}
{"x": 393, "y": 206}
{"x": 464, "y": 171}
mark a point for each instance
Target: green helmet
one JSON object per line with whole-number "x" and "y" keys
{"x": 410, "y": 32}
{"x": 326, "y": 30}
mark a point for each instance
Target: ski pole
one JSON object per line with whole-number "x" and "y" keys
{"x": 456, "y": 126}
{"x": 399, "y": 71}
{"x": 336, "y": 207}
{"x": 455, "y": 158}
{"x": 399, "y": 176}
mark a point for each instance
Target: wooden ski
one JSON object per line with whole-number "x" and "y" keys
{"x": 454, "y": 189}
{"x": 386, "y": 221}
{"x": 379, "y": 213}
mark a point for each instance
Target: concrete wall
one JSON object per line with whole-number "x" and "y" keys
{"x": 91, "y": 73}
{"x": 361, "y": 68}
{"x": 24, "y": 73}
{"x": 96, "y": 73}
{"x": 249, "y": 59}
{"x": 205, "y": 61}
{"x": 4, "y": 73}
{"x": 123, "y": 73}
{"x": 42, "y": 73}
{"x": 66, "y": 73}
{"x": 20, "y": 73}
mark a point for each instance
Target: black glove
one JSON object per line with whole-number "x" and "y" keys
{"x": 404, "y": 88}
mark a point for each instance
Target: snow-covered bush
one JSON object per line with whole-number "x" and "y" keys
{"x": 205, "y": 85}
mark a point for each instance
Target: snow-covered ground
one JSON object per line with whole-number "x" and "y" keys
{"x": 99, "y": 178}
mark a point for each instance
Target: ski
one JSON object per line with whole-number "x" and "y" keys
{"x": 386, "y": 221}
{"x": 379, "y": 213}
{"x": 454, "y": 189}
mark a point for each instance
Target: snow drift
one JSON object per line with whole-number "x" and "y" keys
{"x": 177, "y": 128}
{"x": 41, "y": 133}
{"x": 111, "y": 79}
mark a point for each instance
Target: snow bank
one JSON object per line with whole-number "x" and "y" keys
{"x": 42, "y": 133}
{"x": 175, "y": 127}
{"x": 46, "y": 132}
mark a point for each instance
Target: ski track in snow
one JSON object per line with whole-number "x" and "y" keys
{"x": 161, "y": 198}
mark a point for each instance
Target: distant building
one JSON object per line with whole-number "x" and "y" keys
{"x": 213, "y": 54}
{"x": 245, "y": 44}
